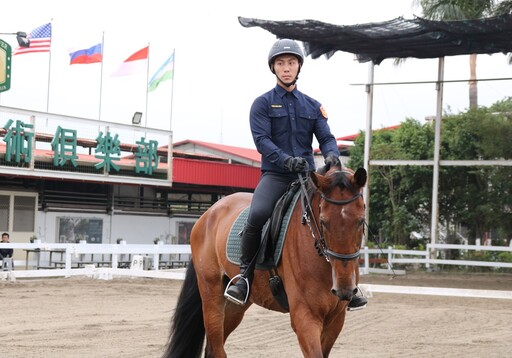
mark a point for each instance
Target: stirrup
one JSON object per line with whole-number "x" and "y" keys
{"x": 234, "y": 299}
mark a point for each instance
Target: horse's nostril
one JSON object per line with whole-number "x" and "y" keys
{"x": 333, "y": 291}
{"x": 354, "y": 291}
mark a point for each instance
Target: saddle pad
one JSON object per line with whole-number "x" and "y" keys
{"x": 233, "y": 250}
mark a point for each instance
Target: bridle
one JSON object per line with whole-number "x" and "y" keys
{"x": 320, "y": 243}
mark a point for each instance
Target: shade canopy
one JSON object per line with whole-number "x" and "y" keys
{"x": 398, "y": 38}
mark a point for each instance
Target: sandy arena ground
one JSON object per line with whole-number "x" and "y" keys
{"x": 84, "y": 317}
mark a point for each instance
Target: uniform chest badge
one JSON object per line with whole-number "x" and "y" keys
{"x": 276, "y": 106}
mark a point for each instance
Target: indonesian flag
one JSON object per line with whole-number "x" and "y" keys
{"x": 136, "y": 63}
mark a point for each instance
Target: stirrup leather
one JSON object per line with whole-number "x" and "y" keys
{"x": 234, "y": 299}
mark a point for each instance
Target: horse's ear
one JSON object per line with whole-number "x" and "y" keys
{"x": 360, "y": 177}
{"x": 317, "y": 179}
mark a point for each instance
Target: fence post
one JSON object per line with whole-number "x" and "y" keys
{"x": 427, "y": 256}
{"x": 366, "y": 261}
{"x": 68, "y": 261}
{"x": 115, "y": 261}
{"x": 390, "y": 258}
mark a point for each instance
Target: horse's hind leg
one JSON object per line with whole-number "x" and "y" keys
{"x": 233, "y": 316}
{"x": 213, "y": 316}
{"x": 220, "y": 319}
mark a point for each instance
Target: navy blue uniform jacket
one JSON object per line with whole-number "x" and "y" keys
{"x": 283, "y": 125}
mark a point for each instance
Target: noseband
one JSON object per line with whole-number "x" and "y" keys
{"x": 320, "y": 243}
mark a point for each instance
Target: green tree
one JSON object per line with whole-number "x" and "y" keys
{"x": 478, "y": 198}
{"x": 399, "y": 195}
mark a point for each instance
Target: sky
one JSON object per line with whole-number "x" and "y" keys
{"x": 220, "y": 66}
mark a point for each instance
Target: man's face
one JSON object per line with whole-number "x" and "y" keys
{"x": 286, "y": 68}
{"x": 5, "y": 238}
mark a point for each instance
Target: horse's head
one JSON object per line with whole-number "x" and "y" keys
{"x": 340, "y": 218}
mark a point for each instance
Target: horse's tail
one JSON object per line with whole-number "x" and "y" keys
{"x": 187, "y": 332}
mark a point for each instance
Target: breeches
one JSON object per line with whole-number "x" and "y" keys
{"x": 268, "y": 191}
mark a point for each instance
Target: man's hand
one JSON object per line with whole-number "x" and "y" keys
{"x": 296, "y": 164}
{"x": 331, "y": 161}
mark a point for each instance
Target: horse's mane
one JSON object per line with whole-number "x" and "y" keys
{"x": 340, "y": 178}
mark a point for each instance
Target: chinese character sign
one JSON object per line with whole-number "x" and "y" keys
{"x": 108, "y": 146}
{"x": 64, "y": 147}
{"x": 18, "y": 141}
{"x": 146, "y": 158}
{"x": 21, "y": 140}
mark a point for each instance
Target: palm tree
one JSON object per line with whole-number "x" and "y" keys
{"x": 461, "y": 10}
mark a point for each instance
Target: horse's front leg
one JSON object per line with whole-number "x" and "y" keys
{"x": 309, "y": 331}
{"x": 332, "y": 329}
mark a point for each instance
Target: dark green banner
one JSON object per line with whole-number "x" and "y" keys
{"x": 5, "y": 66}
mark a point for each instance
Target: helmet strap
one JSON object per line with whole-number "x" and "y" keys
{"x": 289, "y": 84}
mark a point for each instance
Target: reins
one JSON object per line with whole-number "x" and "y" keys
{"x": 320, "y": 243}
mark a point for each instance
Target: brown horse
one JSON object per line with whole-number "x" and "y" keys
{"x": 318, "y": 287}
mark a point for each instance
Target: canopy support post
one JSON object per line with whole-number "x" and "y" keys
{"x": 368, "y": 138}
{"x": 434, "y": 233}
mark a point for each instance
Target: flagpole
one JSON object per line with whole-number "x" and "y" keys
{"x": 49, "y": 67}
{"x": 101, "y": 72}
{"x": 147, "y": 82}
{"x": 172, "y": 86}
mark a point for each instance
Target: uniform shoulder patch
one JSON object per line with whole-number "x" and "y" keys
{"x": 324, "y": 112}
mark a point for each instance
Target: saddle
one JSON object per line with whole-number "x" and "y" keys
{"x": 272, "y": 241}
{"x": 271, "y": 231}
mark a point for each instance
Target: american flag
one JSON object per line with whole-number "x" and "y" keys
{"x": 40, "y": 40}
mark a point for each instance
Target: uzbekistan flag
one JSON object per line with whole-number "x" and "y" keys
{"x": 164, "y": 73}
{"x": 93, "y": 54}
{"x": 134, "y": 64}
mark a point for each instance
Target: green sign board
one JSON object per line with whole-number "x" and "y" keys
{"x": 5, "y": 66}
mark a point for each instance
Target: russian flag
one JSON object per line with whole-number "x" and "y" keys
{"x": 93, "y": 54}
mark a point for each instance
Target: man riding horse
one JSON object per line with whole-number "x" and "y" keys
{"x": 283, "y": 122}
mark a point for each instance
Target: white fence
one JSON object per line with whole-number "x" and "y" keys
{"x": 105, "y": 261}
{"x": 102, "y": 260}
{"x": 384, "y": 261}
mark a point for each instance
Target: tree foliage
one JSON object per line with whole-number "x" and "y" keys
{"x": 476, "y": 198}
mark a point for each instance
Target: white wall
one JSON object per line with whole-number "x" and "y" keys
{"x": 134, "y": 229}
{"x": 137, "y": 229}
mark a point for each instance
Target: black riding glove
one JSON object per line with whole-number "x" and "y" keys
{"x": 331, "y": 161}
{"x": 296, "y": 164}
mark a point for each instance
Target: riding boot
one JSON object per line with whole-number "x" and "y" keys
{"x": 251, "y": 239}
{"x": 357, "y": 302}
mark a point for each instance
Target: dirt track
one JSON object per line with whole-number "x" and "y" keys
{"x": 82, "y": 317}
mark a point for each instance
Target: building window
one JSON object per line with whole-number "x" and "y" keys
{"x": 4, "y": 212}
{"x": 184, "y": 229}
{"x": 24, "y": 213}
{"x": 18, "y": 212}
